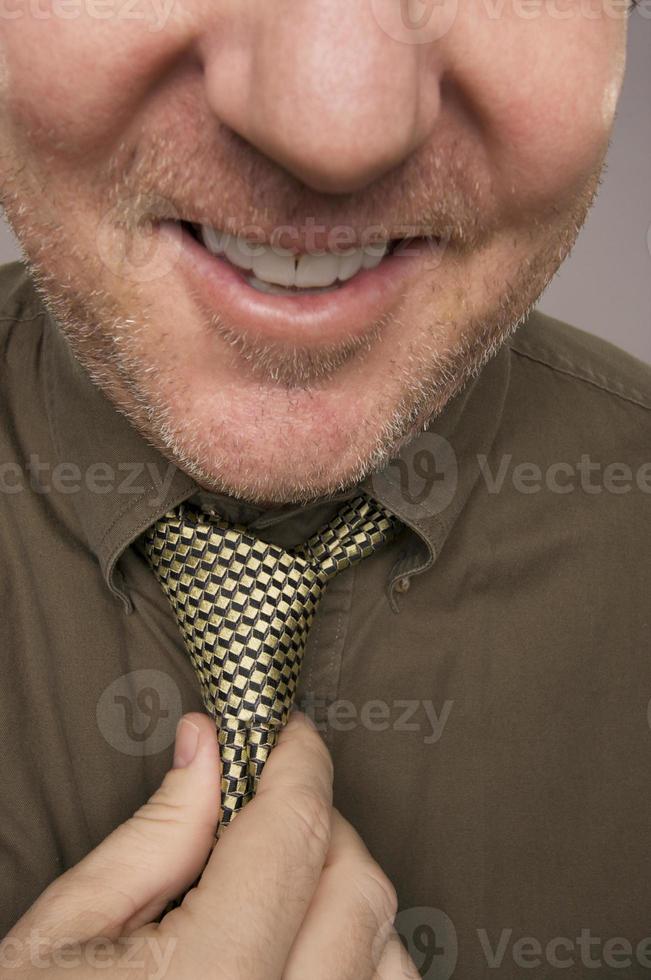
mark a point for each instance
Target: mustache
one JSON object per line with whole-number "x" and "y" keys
{"x": 202, "y": 173}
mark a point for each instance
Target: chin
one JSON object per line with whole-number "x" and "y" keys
{"x": 258, "y": 468}
{"x": 297, "y": 478}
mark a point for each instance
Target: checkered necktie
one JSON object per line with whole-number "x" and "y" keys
{"x": 245, "y": 608}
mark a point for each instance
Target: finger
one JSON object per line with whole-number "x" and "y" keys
{"x": 146, "y": 861}
{"x": 351, "y": 915}
{"x": 262, "y": 874}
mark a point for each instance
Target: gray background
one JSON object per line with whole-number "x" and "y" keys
{"x": 605, "y": 286}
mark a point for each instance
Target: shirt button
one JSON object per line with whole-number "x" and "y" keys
{"x": 403, "y": 584}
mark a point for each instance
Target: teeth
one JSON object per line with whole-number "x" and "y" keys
{"x": 374, "y": 254}
{"x": 282, "y": 268}
{"x": 317, "y": 271}
{"x": 276, "y": 266}
{"x": 238, "y": 252}
{"x": 268, "y": 287}
{"x": 349, "y": 265}
{"x": 213, "y": 240}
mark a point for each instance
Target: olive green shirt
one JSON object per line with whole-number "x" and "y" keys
{"x": 483, "y": 682}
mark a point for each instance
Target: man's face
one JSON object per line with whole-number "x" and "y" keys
{"x": 468, "y": 136}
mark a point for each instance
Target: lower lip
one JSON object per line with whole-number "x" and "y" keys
{"x": 320, "y": 319}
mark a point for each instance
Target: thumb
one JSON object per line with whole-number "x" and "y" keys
{"x": 147, "y": 861}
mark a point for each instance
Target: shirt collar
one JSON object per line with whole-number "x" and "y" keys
{"x": 127, "y": 484}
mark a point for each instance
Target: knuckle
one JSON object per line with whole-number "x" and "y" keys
{"x": 309, "y": 741}
{"x": 164, "y": 807}
{"x": 143, "y": 834}
{"x": 308, "y": 815}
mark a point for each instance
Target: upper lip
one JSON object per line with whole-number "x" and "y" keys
{"x": 304, "y": 236}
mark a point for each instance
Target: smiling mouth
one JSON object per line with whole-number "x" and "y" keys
{"x": 278, "y": 271}
{"x": 313, "y": 296}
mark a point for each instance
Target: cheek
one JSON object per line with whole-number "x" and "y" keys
{"x": 71, "y": 87}
{"x": 545, "y": 91}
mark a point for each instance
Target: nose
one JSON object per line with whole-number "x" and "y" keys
{"x": 321, "y": 87}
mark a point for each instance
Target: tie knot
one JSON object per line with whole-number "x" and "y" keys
{"x": 190, "y": 541}
{"x": 245, "y": 608}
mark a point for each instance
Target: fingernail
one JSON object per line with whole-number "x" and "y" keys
{"x": 187, "y": 741}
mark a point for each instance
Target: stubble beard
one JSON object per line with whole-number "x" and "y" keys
{"x": 106, "y": 344}
{"x": 105, "y": 337}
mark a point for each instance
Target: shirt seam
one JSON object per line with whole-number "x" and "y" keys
{"x": 633, "y": 397}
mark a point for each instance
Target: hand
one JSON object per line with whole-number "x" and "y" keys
{"x": 288, "y": 892}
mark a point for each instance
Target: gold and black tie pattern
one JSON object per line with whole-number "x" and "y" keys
{"x": 245, "y": 608}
